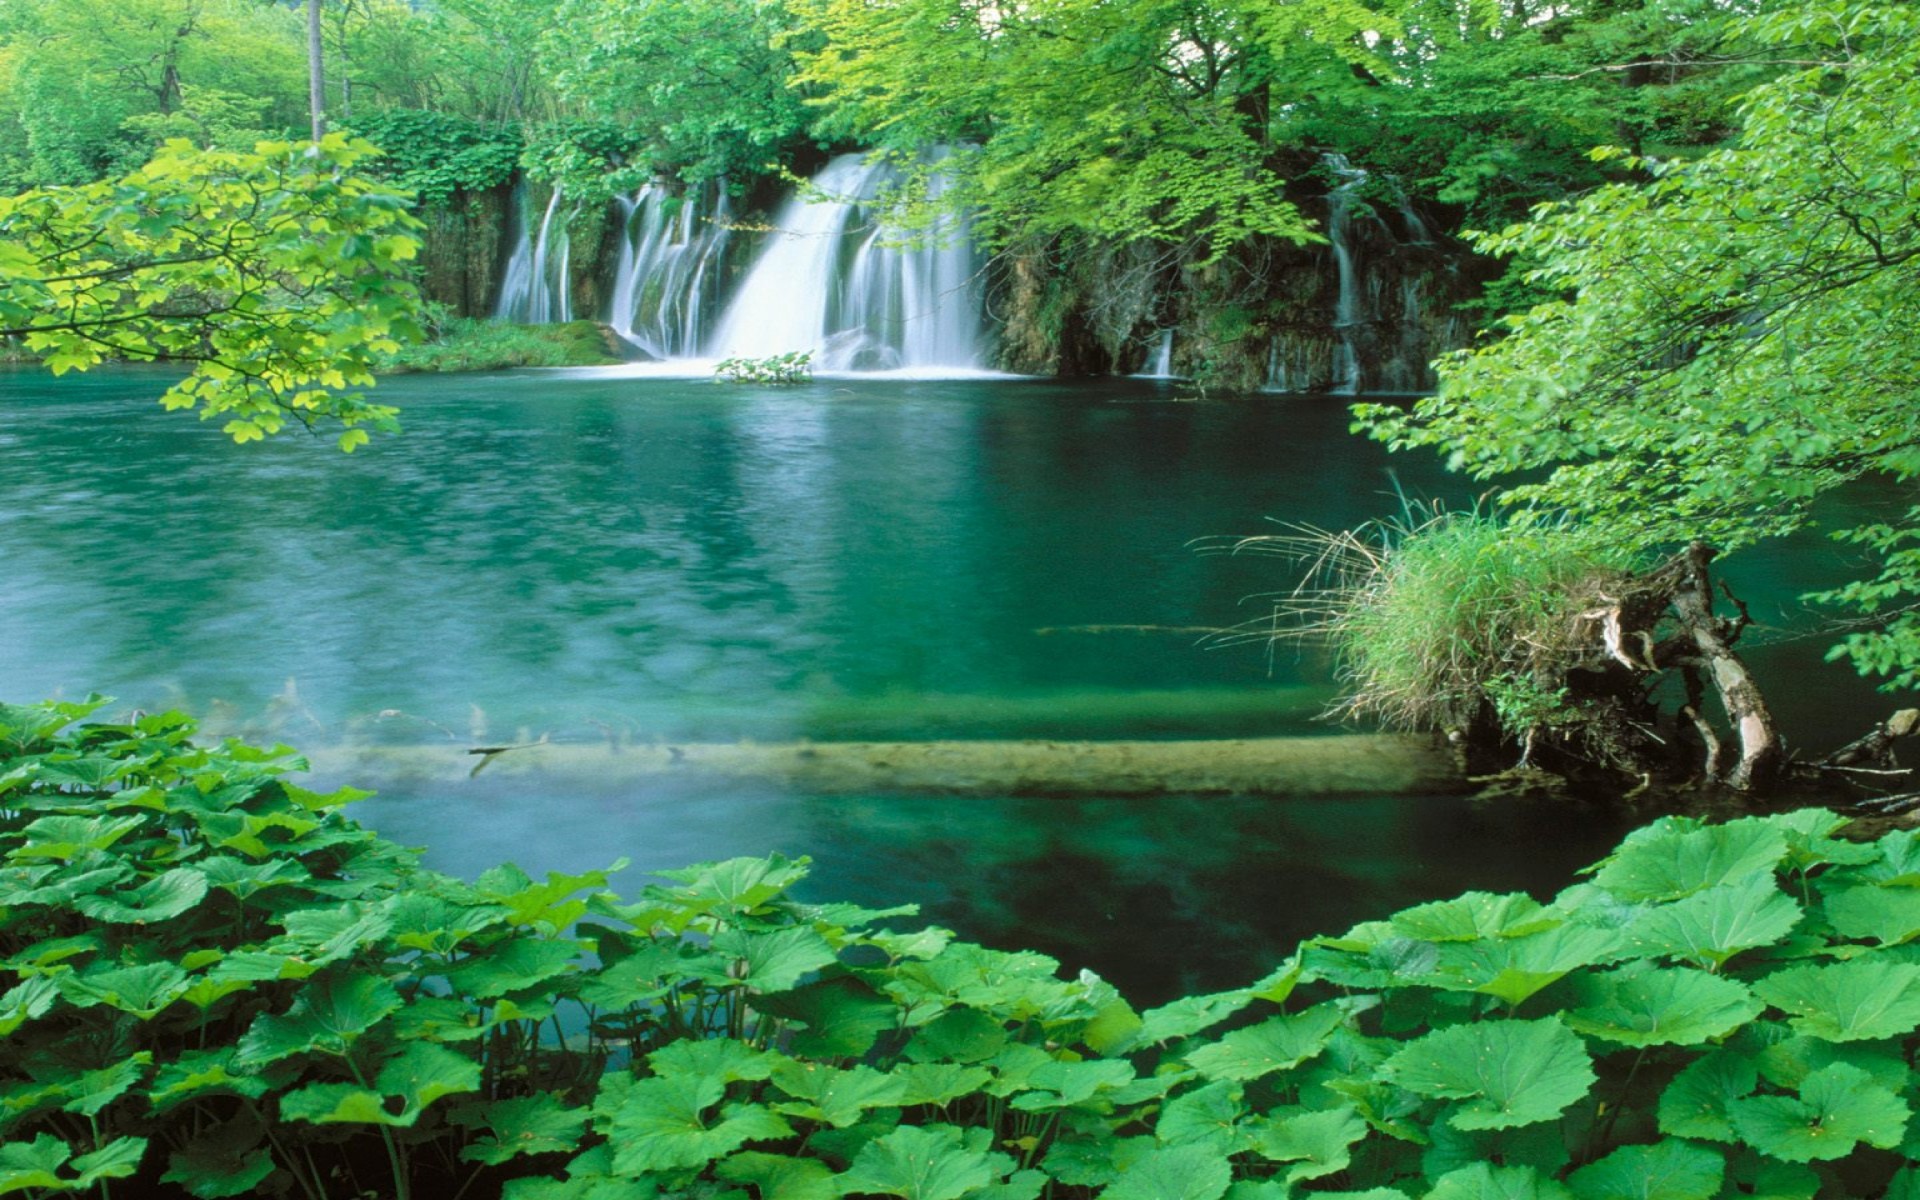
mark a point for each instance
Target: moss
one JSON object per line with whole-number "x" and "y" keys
{"x": 470, "y": 345}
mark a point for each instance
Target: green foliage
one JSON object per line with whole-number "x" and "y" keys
{"x": 1436, "y": 619}
{"x": 278, "y": 273}
{"x": 795, "y": 366}
{"x": 328, "y": 1010}
{"x": 462, "y": 344}
{"x": 439, "y": 156}
{"x": 700, "y": 90}
{"x": 1724, "y": 347}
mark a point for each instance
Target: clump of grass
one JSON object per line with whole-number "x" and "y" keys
{"x": 1442, "y": 620}
{"x": 464, "y": 344}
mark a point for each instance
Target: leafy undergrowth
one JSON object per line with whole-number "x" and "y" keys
{"x": 462, "y": 344}
{"x": 219, "y": 986}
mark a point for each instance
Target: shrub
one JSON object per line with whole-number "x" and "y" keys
{"x": 219, "y": 984}
{"x": 468, "y": 344}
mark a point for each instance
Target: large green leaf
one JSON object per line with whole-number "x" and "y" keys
{"x": 1503, "y": 1073}
{"x": 843, "y": 1018}
{"x": 919, "y": 1163}
{"x": 720, "y": 1059}
{"x": 1787, "y": 1063}
{"x": 1668, "y": 1170}
{"x": 1484, "y": 1181}
{"x": 1710, "y": 926}
{"x": 514, "y": 965}
{"x": 1193, "y": 1172}
{"x": 1838, "y": 1108}
{"x": 325, "y": 935}
{"x": 835, "y": 1097}
{"x": 1475, "y": 915}
{"x": 1210, "y": 1116}
{"x": 408, "y": 1083}
{"x": 1058, "y": 1084}
{"x": 1644, "y": 1005}
{"x": 1888, "y": 915}
{"x": 1276, "y": 1044}
{"x": 1676, "y": 856}
{"x": 537, "y": 1124}
{"x": 228, "y": 1159}
{"x": 780, "y": 1176}
{"x": 1847, "y": 1001}
{"x": 664, "y": 1123}
{"x": 1514, "y": 968}
{"x": 1189, "y": 1015}
{"x": 331, "y": 1013}
{"x": 141, "y": 991}
{"x": 775, "y": 961}
{"x": 161, "y": 898}
{"x": 1315, "y": 1143}
{"x": 1696, "y": 1103}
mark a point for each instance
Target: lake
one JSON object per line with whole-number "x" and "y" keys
{"x": 584, "y": 555}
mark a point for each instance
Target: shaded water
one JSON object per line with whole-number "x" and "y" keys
{"x": 584, "y": 556}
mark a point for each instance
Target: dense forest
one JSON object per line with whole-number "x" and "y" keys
{"x": 1132, "y": 167}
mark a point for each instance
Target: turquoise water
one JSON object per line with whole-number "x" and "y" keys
{"x": 584, "y": 556}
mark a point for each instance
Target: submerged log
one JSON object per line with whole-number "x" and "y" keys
{"x": 1359, "y": 764}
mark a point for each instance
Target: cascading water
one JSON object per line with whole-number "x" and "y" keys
{"x": 1392, "y": 281}
{"x": 534, "y": 289}
{"x": 836, "y": 279}
{"x": 1160, "y": 366}
{"x": 1347, "y": 316}
{"x": 667, "y": 281}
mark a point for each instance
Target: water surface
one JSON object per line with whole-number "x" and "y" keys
{"x": 589, "y": 556}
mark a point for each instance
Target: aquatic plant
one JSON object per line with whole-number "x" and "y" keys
{"x": 217, "y": 984}
{"x": 795, "y": 366}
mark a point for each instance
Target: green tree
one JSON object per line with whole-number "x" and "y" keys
{"x": 1138, "y": 119}
{"x": 278, "y": 273}
{"x": 1734, "y": 338}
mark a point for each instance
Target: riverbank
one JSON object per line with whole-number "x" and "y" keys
{"x": 465, "y": 344}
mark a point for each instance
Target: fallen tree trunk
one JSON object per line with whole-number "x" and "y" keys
{"x": 1357, "y": 764}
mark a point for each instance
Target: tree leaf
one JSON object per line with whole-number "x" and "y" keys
{"x": 1505, "y": 1073}
{"x": 835, "y": 1097}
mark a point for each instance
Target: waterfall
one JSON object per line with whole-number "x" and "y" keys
{"x": 1389, "y": 278}
{"x": 1347, "y": 317}
{"x": 667, "y": 279}
{"x": 835, "y": 278}
{"x": 534, "y": 289}
{"x": 1161, "y": 365}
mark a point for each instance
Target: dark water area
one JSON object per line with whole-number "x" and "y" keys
{"x": 587, "y": 556}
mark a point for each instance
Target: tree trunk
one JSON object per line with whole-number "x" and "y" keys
{"x": 1760, "y": 752}
{"x": 316, "y": 72}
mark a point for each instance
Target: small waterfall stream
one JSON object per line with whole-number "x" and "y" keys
{"x": 534, "y": 289}
{"x": 835, "y": 278}
{"x": 667, "y": 281}
{"x": 1347, "y": 317}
